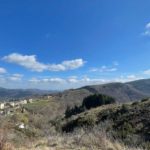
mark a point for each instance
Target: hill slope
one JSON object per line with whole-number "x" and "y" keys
{"x": 122, "y": 92}
{"x": 120, "y": 117}
{"x": 141, "y": 85}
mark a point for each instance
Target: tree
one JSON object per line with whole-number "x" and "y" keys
{"x": 73, "y": 111}
{"x": 97, "y": 100}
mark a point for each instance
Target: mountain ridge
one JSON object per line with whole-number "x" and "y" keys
{"x": 122, "y": 92}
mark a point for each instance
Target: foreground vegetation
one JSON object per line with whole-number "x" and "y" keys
{"x": 102, "y": 127}
{"x": 128, "y": 122}
{"x": 82, "y": 139}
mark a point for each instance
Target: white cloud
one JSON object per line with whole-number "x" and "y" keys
{"x": 30, "y": 62}
{"x": 47, "y": 80}
{"x": 15, "y": 77}
{"x": 64, "y": 83}
{"x": 147, "y": 72}
{"x": 68, "y": 81}
{"x": 57, "y": 83}
{"x": 34, "y": 80}
{"x": 72, "y": 79}
{"x": 66, "y": 65}
{"x": 10, "y": 78}
{"x": 147, "y": 30}
{"x": 104, "y": 69}
{"x": 2, "y": 70}
{"x": 127, "y": 78}
{"x": 54, "y": 80}
{"x": 27, "y": 61}
{"x": 18, "y": 75}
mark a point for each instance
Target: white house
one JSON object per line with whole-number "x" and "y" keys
{"x": 25, "y": 101}
{"x": 22, "y": 102}
{"x": 10, "y": 104}
{"x": 2, "y": 105}
{"x": 49, "y": 96}
{"x": 30, "y": 100}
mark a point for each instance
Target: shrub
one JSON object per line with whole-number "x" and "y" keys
{"x": 73, "y": 111}
{"x": 97, "y": 100}
{"x": 144, "y": 100}
{"x": 20, "y": 118}
{"x": 135, "y": 103}
{"x": 124, "y": 108}
{"x": 89, "y": 120}
{"x": 125, "y": 132}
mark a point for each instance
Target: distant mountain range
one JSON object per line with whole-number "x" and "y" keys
{"x": 8, "y": 94}
{"x": 122, "y": 92}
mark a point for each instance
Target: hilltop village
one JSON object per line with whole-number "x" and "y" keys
{"x": 7, "y": 108}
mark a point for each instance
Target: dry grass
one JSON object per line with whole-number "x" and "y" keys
{"x": 4, "y": 144}
{"x": 81, "y": 139}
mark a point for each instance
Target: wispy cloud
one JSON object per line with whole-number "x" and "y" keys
{"x": 47, "y": 80}
{"x": 115, "y": 63}
{"x": 31, "y": 62}
{"x": 147, "y": 30}
{"x": 84, "y": 80}
{"x": 127, "y": 78}
{"x": 2, "y": 70}
{"x": 104, "y": 69}
{"x": 147, "y": 72}
{"x": 15, "y": 77}
{"x": 68, "y": 81}
{"x": 58, "y": 82}
{"x": 8, "y": 78}
{"x": 66, "y": 65}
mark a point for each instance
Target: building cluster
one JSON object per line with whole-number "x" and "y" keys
{"x": 9, "y": 107}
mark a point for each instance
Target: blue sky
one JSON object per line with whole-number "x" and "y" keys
{"x": 61, "y": 44}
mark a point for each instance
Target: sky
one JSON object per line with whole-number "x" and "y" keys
{"x": 62, "y": 44}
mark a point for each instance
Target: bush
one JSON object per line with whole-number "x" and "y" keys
{"x": 73, "y": 111}
{"x": 135, "y": 103}
{"x": 125, "y": 131}
{"x": 124, "y": 108}
{"x": 144, "y": 100}
{"x": 97, "y": 100}
{"x": 89, "y": 120}
{"x": 17, "y": 118}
